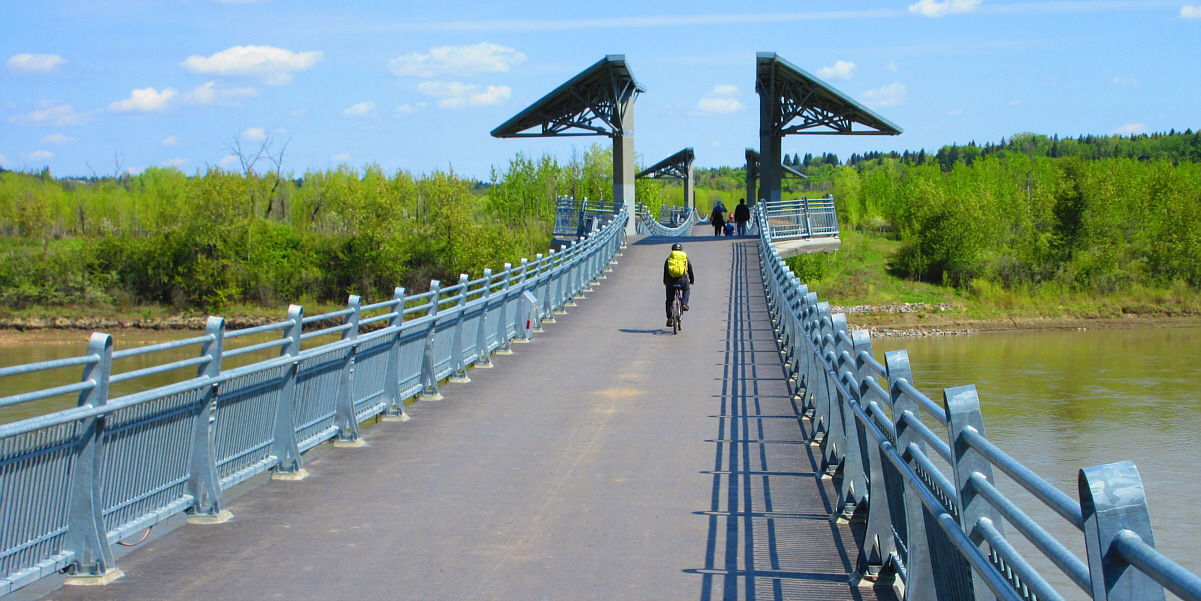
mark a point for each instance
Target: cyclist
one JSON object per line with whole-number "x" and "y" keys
{"x": 677, "y": 273}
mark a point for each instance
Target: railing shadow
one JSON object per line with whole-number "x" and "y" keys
{"x": 770, "y": 534}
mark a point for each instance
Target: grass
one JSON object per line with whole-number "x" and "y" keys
{"x": 859, "y": 274}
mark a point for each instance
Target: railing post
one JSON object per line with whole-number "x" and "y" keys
{"x": 429, "y": 379}
{"x": 834, "y": 445}
{"x": 918, "y": 562}
{"x": 506, "y": 317}
{"x": 879, "y": 543}
{"x": 522, "y": 326}
{"x": 345, "y": 418}
{"x": 208, "y": 501}
{"x": 963, "y": 412}
{"x": 1112, "y": 501}
{"x": 460, "y": 373}
{"x": 289, "y": 465}
{"x": 483, "y": 355}
{"x": 808, "y": 224}
{"x": 541, "y": 290}
{"x": 854, "y": 477}
{"x": 549, "y": 299}
{"x": 395, "y": 410}
{"x": 86, "y": 536}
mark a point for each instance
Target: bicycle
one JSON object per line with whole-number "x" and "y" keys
{"x": 677, "y": 311}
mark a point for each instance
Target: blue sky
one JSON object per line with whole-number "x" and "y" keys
{"x": 87, "y": 86}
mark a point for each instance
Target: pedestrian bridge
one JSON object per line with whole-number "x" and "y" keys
{"x": 539, "y": 434}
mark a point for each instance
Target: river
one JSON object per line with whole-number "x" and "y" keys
{"x": 1056, "y": 401}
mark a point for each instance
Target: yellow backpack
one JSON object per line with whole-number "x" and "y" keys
{"x": 677, "y": 264}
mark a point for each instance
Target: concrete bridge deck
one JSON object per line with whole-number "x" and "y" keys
{"x": 607, "y": 459}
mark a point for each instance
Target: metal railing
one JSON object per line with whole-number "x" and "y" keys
{"x": 922, "y": 476}
{"x": 801, "y": 218}
{"x": 580, "y": 217}
{"x": 75, "y": 482}
{"x": 648, "y": 225}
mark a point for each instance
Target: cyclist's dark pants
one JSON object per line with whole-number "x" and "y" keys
{"x": 671, "y": 292}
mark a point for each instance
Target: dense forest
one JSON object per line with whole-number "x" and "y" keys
{"x": 1097, "y": 214}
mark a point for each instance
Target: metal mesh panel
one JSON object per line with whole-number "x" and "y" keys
{"x": 370, "y": 377}
{"x": 35, "y": 477}
{"x": 244, "y": 430}
{"x": 316, "y": 397}
{"x": 443, "y": 347}
{"x": 147, "y": 457}
{"x": 470, "y": 331}
{"x": 412, "y": 349}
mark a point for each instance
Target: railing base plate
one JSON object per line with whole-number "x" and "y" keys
{"x": 101, "y": 580}
{"x": 290, "y": 476}
{"x": 403, "y": 417}
{"x": 222, "y": 516}
{"x": 350, "y": 444}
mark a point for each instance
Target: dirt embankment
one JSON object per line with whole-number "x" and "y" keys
{"x": 900, "y": 319}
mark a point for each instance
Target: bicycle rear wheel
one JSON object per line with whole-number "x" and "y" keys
{"x": 677, "y": 314}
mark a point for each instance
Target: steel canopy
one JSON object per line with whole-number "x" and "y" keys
{"x": 592, "y": 103}
{"x": 821, "y": 108}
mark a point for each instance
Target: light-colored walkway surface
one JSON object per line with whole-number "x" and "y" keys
{"x": 607, "y": 459}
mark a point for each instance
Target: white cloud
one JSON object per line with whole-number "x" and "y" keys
{"x": 274, "y": 65}
{"x": 892, "y": 66}
{"x": 1190, "y": 12}
{"x": 720, "y": 100}
{"x": 3, "y": 159}
{"x": 719, "y": 106}
{"x": 934, "y": 8}
{"x": 409, "y": 109}
{"x": 1124, "y": 82}
{"x": 254, "y": 133}
{"x": 170, "y": 140}
{"x": 341, "y": 157}
{"x": 228, "y": 161}
{"x": 209, "y": 93}
{"x": 50, "y": 114}
{"x": 362, "y": 109}
{"x": 177, "y": 163}
{"x": 144, "y": 99}
{"x": 890, "y": 95}
{"x": 57, "y": 139}
{"x": 839, "y": 70}
{"x": 455, "y": 95}
{"x": 460, "y": 61}
{"x": 1131, "y": 129}
{"x": 41, "y": 154}
{"x": 1014, "y": 102}
{"x": 32, "y": 63}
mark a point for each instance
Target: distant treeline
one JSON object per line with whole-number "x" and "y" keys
{"x": 218, "y": 237}
{"x": 1096, "y": 214}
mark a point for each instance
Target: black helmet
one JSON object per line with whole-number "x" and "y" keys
{"x": 677, "y": 246}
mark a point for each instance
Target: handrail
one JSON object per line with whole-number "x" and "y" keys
{"x": 836, "y": 385}
{"x": 310, "y": 395}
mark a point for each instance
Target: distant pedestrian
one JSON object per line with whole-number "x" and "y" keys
{"x": 742, "y": 214}
{"x": 729, "y": 229}
{"x": 718, "y": 218}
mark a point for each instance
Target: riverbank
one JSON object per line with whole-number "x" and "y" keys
{"x": 882, "y": 320}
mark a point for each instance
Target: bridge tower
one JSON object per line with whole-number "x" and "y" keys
{"x": 676, "y": 166}
{"x": 597, "y": 102}
{"x": 752, "y": 174}
{"x": 788, "y": 94}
